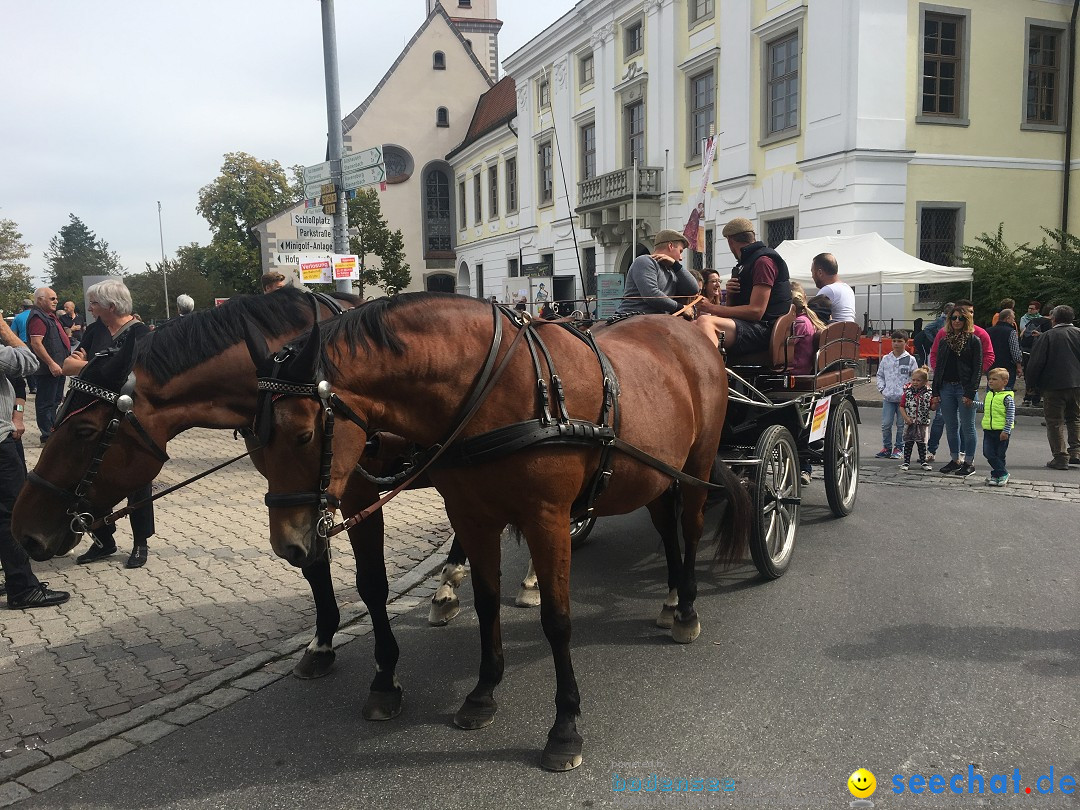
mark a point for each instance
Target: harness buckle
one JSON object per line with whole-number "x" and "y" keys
{"x": 80, "y": 525}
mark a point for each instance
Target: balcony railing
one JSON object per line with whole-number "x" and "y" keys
{"x": 618, "y": 186}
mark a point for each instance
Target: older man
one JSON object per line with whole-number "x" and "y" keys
{"x": 1054, "y": 368}
{"x": 1006, "y": 345}
{"x": 826, "y": 274}
{"x": 50, "y": 343}
{"x": 654, "y": 280}
{"x": 185, "y": 305}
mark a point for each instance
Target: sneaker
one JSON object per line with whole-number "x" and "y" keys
{"x": 884, "y": 453}
{"x": 38, "y": 596}
{"x": 930, "y": 457}
{"x": 926, "y": 464}
{"x": 897, "y": 454}
{"x": 950, "y": 468}
{"x": 990, "y": 481}
{"x": 804, "y": 478}
{"x": 904, "y": 466}
{"x": 1002, "y": 480}
{"x": 1075, "y": 461}
{"x": 1058, "y": 464}
{"x": 965, "y": 470}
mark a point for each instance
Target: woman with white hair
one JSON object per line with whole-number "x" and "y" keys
{"x": 110, "y": 304}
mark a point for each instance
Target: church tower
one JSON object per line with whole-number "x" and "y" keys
{"x": 478, "y": 23}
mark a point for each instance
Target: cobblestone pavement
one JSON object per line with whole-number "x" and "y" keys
{"x": 213, "y": 604}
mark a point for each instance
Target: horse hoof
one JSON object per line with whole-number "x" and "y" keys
{"x": 667, "y": 617}
{"x": 472, "y": 716}
{"x": 314, "y": 664}
{"x": 442, "y": 612}
{"x": 382, "y": 705}
{"x": 561, "y": 756}
{"x": 528, "y": 597}
{"x": 685, "y": 632}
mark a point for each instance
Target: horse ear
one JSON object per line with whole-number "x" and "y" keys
{"x": 304, "y": 366}
{"x": 257, "y": 348}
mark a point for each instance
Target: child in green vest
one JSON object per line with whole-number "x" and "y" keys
{"x": 999, "y": 416}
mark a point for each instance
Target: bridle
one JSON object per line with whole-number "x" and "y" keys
{"x": 122, "y": 403}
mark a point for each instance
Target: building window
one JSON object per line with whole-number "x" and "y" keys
{"x": 634, "y": 38}
{"x": 513, "y": 269}
{"x": 939, "y": 241}
{"x": 543, "y": 93}
{"x": 462, "y": 218}
{"x": 437, "y": 225}
{"x": 1043, "y": 76}
{"x": 511, "y": 185}
{"x": 778, "y": 230}
{"x": 588, "y": 151}
{"x": 700, "y": 10}
{"x": 782, "y": 83}
{"x": 478, "y": 211}
{"x": 705, "y": 259}
{"x": 438, "y": 61}
{"x": 493, "y": 191}
{"x": 442, "y": 117}
{"x": 702, "y": 111}
{"x": 545, "y": 173}
{"x": 480, "y": 281}
{"x": 399, "y": 163}
{"x": 942, "y": 64}
{"x": 586, "y": 70}
{"x": 634, "y": 115}
{"x": 464, "y": 3}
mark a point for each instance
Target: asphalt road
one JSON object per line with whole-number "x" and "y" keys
{"x": 932, "y": 631}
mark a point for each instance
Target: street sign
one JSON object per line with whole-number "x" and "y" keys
{"x": 364, "y": 177}
{"x": 319, "y": 173}
{"x": 312, "y": 220}
{"x": 328, "y": 199}
{"x": 355, "y": 161}
{"x": 314, "y": 233}
{"x": 312, "y": 190}
{"x": 305, "y": 245}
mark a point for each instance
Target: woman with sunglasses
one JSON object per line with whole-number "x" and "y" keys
{"x": 957, "y": 373}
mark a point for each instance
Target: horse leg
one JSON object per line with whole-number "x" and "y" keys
{"x": 445, "y": 604}
{"x": 664, "y": 514}
{"x": 484, "y": 551}
{"x": 319, "y": 656}
{"x": 687, "y": 626}
{"x": 550, "y": 547}
{"x": 384, "y": 696}
{"x": 529, "y": 592}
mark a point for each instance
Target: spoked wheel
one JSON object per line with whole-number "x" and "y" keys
{"x": 842, "y": 459}
{"x": 580, "y": 530}
{"x": 776, "y": 502}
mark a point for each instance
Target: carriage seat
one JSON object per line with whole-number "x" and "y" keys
{"x": 835, "y": 358}
{"x": 781, "y": 346}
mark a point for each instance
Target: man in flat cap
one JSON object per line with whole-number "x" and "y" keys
{"x": 653, "y": 281}
{"x": 758, "y": 293}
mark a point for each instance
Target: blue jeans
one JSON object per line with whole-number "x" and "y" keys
{"x": 937, "y": 427}
{"x": 890, "y": 413}
{"x": 994, "y": 449}
{"x": 959, "y": 421}
{"x": 50, "y": 390}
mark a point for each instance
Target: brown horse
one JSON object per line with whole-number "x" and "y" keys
{"x": 198, "y": 372}
{"x": 408, "y": 365}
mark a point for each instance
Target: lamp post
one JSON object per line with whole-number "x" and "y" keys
{"x": 164, "y": 267}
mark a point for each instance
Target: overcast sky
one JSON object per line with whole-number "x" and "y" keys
{"x": 111, "y": 105}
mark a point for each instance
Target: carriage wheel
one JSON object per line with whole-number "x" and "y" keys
{"x": 580, "y": 530}
{"x": 842, "y": 459}
{"x": 776, "y": 502}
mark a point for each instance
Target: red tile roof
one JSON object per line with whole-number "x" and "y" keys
{"x": 493, "y": 109}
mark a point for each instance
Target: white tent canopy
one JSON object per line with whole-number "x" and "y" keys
{"x": 866, "y": 259}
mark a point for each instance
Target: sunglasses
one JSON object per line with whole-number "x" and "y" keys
{"x": 957, "y": 318}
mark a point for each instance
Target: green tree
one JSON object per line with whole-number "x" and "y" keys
{"x": 247, "y": 191}
{"x": 187, "y": 274}
{"x": 76, "y": 252}
{"x": 15, "y": 283}
{"x": 372, "y": 239}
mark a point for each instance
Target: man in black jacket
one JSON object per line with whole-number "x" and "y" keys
{"x": 1054, "y": 368}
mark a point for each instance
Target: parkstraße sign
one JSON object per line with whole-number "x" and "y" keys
{"x": 314, "y": 233}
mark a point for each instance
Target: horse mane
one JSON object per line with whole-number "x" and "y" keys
{"x": 183, "y": 343}
{"x": 367, "y": 325}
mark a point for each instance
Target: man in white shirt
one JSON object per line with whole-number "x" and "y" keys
{"x": 825, "y": 273}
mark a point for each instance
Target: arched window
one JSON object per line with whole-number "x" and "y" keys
{"x": 442, "y": 117}
{"x": 438, "y": 220}
{"x": 438, "y": 61}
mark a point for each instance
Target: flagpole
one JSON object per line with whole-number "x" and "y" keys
{"x": 164, "y": 268}
{"x": 633, "y": 219}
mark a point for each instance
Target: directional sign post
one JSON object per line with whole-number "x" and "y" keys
{"x": 317, "y": 174}
{"x": 355, "y": 161}
{"x": 364, "y": 177}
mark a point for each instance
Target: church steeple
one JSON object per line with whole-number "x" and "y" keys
{"x": 478, "y": 22}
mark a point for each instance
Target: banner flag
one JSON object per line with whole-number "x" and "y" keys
{"x": 694, "y": 232}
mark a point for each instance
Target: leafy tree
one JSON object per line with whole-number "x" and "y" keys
{"x": 373, "y": 238}
{"x": 76, "y": 252}
{"x": 248, "y": 191}
{"x": 15, "y": 283}
{"x": 187, "y": 274}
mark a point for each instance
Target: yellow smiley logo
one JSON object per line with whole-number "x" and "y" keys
{"x": 862, "y": 784}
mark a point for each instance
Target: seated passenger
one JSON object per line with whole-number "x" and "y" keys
{"x": 807, "y": 325}
{"x": 653, "y": 280}
{"x": 758, "y": 293}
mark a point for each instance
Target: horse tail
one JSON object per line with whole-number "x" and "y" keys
{"x": 733, "y": 533}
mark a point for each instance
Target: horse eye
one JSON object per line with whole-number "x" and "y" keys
{"x": 85, "y": 432}
{"x": 304, "y": 438}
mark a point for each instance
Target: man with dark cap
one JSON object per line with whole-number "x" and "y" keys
{"x": 654, "y": 279}
{"x": 758, "y": 293}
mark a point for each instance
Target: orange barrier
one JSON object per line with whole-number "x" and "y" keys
{"x": 870, "y": 349}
